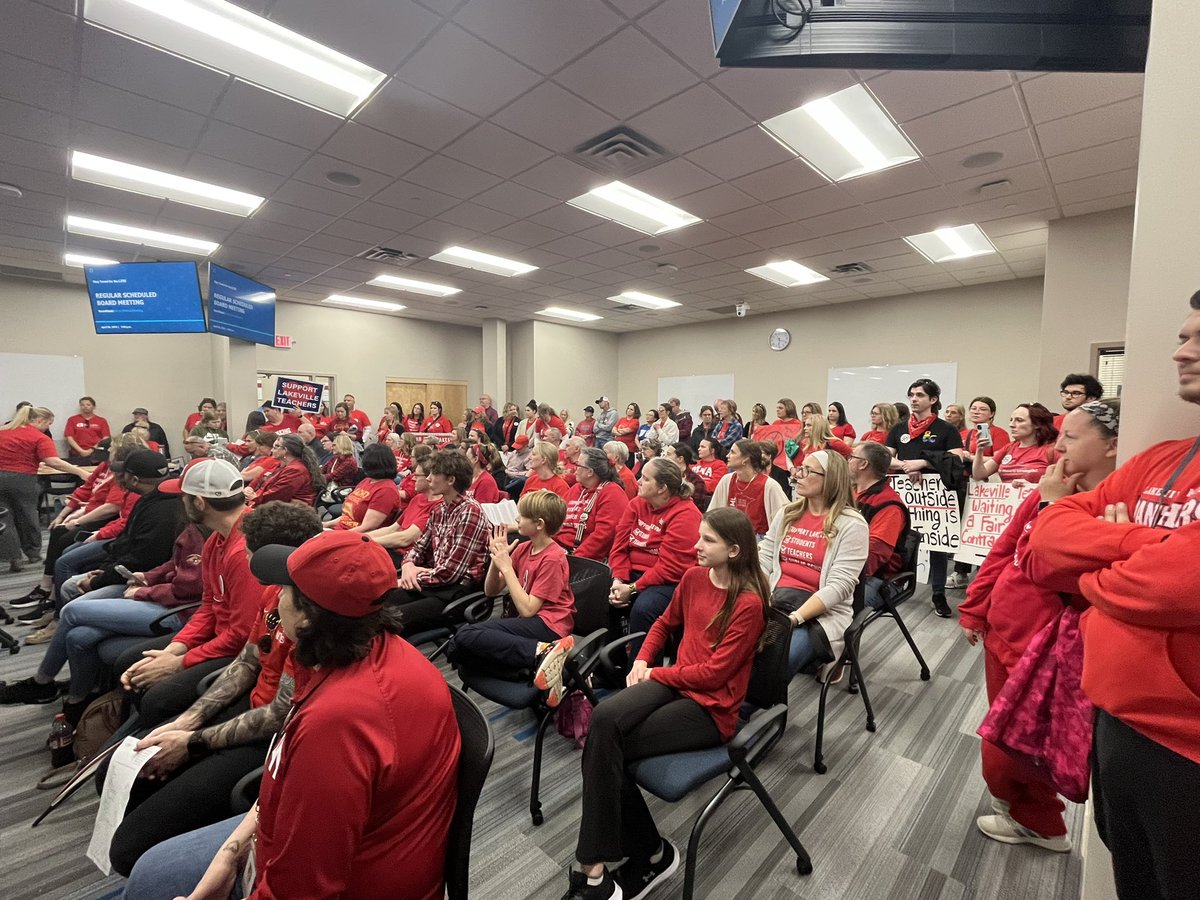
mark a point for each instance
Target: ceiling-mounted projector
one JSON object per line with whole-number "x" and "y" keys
{"x": 1031, "y": 35}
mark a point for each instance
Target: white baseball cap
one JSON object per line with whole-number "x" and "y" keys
{"x": 213, "y": 479}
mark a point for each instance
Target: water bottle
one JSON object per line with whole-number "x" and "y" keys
{"x": 62, "y": 742}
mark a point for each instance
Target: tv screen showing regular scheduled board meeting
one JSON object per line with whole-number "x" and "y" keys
{"x": 240, "y": 307}
{"x": 145, "y": 298}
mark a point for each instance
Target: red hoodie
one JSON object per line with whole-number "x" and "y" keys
{"x": 1142, "y": 637}
{"x": 659, "y": 543}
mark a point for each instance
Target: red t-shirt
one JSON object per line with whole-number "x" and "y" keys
{"x": 1000, "y": 440}
{"x": 340, "y": 426}
{"x": 1025, "y": 463}
{"x": 596, "y": 514}
{"x": 659, "y": 543}
{"x": 439, "y": 425}
{"x": 875, "y": 437}
{"x": 748, "y": 497}
{"x": 275, "y": 661}
{"x": 268, "y": 464}
{"x": 417, "y": 512}
{"x": 629, "y": 440}
{"x": 287, "y": 425}
{"x": 381, "y": 496}
{"x": 540, "y": 426}
{"x": 556, "y": 484}
{"x": 802, "y": 553}
{"x": 22, "y": 449}
{"x": 320, "y": 424}
{"x": 87, "y": 433}
{"x": 629, "y": 480}
{"x": 712, "y": 471}
{"x": 844, "y": 432}
{"x": 586, "y": 429}
{"x": 545, "y": 575}
{"x": 232, "y": 600}
{"x": 359, "y": 418}
{"x": 192, "y": 421}
{"x": 484, "y": 489}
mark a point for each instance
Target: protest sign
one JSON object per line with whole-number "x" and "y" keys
{"x": 990, "y": 507}
{"x": 933, "y": 508}
{"x": 305, "y": 395}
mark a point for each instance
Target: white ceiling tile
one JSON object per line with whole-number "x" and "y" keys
{"x": 752, "y": 219}
{"x": 930, "y": 200}
{"x": 692, "y": 119}
{"x": 1028, "y": 177}
{"x": 862, "y": 237}
{"x": 314, "y": 172}
{"x": 1090, "y": 206}
{"x": 560, "y": 178}
{"x": 527, "y": 233}
{"x": 365, "y": 233}
{"x": 496, "y": 150}
{"x": 905, "y": 179}
{"x": 1034, "y": 237}
{"x": 715, "y": 201}
{"x": 27, "y": 81}
{"x": 374, "y": 150}
{"x": 228, "y": 174}
{"x": 460, "y": 69}
{"x": 415, "y": 198}
{"x": 1097, "y": 187}
{"x": 267, "y": 113}
{"x": 104, "y": 105}
{"x": 126, "y": 204}
{"x": 34, "y": 31}
{"x": 1024, "y": 254}
{"x": 625, "y": 75}
{"x": 1110, "y": 157}
{"x": 1005, "y": 207}
{"x": 779, "y": 236}
{"x": 610, "y": 234}
{"x": 274, "y": 211}
{"x": 565, "y": 28}
{"x": 255, "y": 150}
{"x": 379, "y": 33}
{"x": 517, "y": 200}
{"x": 478, "y": 218}
{"x": 105, "y": 141}
{"x": 180, "y": 216}
{"x": 18, "y": 151}
{"x": 1096, "y": 126}
{"x": 850, "y": 219}
{"x": 414, "y": 115}
{"x": 452, "y": 177}
{"x": 1059, "y": 94}
{"x": 672, "y": 179}
{"x": 1015, "y": 148}
{"x": 563, "y": 218}
{"x": 764, "y": 93}
{"x": 634, "y": 8}
{"x": 554, "y": 118}
{"x": 816, "y": 202}
{"x": 573, "y": 247}
{"x": 909, "y": 94}
{"x": 676, "y": 26}
{"x": 740, "y": 154}
{"x": 310, "y": 196}
{"x": 272, "y": 231}
{"x": 994, "y": 114}
{"x": 781, "y": 180}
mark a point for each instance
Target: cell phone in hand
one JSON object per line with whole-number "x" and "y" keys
{"x": 127, "y": 575}
{"x": 985, "y": 433}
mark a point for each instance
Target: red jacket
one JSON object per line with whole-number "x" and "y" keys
{"x": 1142, "y": 636}
{"x": 287, "y": 483}
{"x": 85, "y": 494}
{"x": 629, "y": 480}
{"x": 1002, "y": 602}
{"x": 659, "y": 543}
{"x": 126, "y": 500}
{"x": 178, "y": 580}
{"x": 231, "y": 601}
{"x": 600, "y": 524}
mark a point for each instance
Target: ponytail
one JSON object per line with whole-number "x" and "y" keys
{"x": 25, "y": 415}
{"x": 670, "y": 476}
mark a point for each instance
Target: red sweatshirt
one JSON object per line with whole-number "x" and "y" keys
{"x": 287, "y": 483}
{"x": 717, "y": 679}
{"x": 231, "y": 601}
{"x": 659, "y": 543}
{"x": 83, "y": 495}
{"x": 178, "y": 580}
{"x": 126, "y": 500}
{"x": 599, "y": 523}
{"x": 1142, "y": 637}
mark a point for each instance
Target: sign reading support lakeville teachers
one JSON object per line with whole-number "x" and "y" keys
{"x": 990, "y": 507}
{"x": 305, "y": 395}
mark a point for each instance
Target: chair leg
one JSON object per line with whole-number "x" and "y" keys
{"x": 912, "y": 644}
{"x": 535, "y": 803}
{"x": 818, "y": 760}
{"x": 439, "y": 650}
{"x": 803, "y": 862}
{"x": 862, "y": 685}
{"x": 689, "y": 864}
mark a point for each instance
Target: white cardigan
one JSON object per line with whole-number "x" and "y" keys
{"x": 666, "y": 433}
{"x": 844, "y": 560}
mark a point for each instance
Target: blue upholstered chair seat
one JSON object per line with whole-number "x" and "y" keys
{"x": 513, "y": 694}
{"x": 676, "y": 775}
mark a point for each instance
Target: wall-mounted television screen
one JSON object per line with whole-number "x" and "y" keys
{"x": 145, "y": 298}
{"x": 239, "y": 307}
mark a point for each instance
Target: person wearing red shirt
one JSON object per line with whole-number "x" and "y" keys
{"x": 618, "y": 457}
{"x": 746, "y": 486}
{"x": 544, "y": 471}
{"x": 1075, "y": 391}
{"x": 1129, "y": 547}
{"x": 691, "y": 705}
{"x": 1007, "y": 610}
{"x": 585, "y": 428}
{"x": 84, "y": 431}
{"x": 1030, "y": 453}
{"x": 883, "y": 420}
{"x": 888, "y": 519}
{"x": 23, "y": 447}
{"x": 838, "y": 426}
{"x": 436, "y": 422}
{"x": 594, "y": 508}
{"x": 483, "y": 458}
{"x": 194, "y": 419}
{"x": 529, "y": 641}
{"x": 711, "y": 464}
{"x": 627, "y": 427}
{"x": 547, "y": 418}
{"x": 278, "y": 421}
{"x": 207, "y": 749}
{"x": 357, "y": 416}
{"x": 319, "y": 423}
{"x": 375, "y": 502}
{"x": 297, "y": 478}
{"x": 376, "y": 824}
{"x": 415, "y": 518}
{"x": 654, "y": 545}
{"x": 815, "y": 435}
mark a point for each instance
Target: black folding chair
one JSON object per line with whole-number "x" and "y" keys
{"x": 7, "y": 641}
{"x": 590, "y": 583}
{"x": 894, "y": 591}
{"x": 673, "y": 776}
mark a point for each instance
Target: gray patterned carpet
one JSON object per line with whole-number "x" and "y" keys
{"x": 893, "y": 819}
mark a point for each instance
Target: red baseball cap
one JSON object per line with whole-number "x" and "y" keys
{"x": 344, "y": 572}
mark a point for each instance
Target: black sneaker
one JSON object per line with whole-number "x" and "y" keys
{"x": 36, "y": 597}
{"x": 639, "y": 878}
{"x": 35, "y": 616}
{"x": 941, "y": 607}
{"x": 579, "y": 888}
{"x": 28, "y": 691}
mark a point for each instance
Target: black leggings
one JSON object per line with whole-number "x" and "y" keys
{"x": 422, "y": 610}
{"x": 505, "y": 647}
{"x": 647, "y": 719}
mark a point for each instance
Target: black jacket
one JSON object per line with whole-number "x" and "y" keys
{"x": 157, "y": 435}
{"x": 147, "y": 540}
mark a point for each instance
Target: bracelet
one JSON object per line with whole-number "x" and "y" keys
{"x": 793, "y": 614}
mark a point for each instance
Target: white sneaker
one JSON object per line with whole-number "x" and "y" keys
{"x": 956, "y": 581}
{"x": 1000, "y": 807}
{"x": 1009, "y": 831}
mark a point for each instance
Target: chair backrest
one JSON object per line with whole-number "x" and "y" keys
{"x": 769, "y": 677}
{"x": 590, "y": 583}
{"x": 474, "y": 761}
{"x": 904, "y": 588}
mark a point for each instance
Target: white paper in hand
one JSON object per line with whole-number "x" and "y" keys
{"x": 123, "y": 768}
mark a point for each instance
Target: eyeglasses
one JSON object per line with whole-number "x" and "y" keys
{"x": 1073, "y": 393}
{"x": 267, "y": 641}
{"x": 805, "y": 471}
{"x": 859, "y": 458}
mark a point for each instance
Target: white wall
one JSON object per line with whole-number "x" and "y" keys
{"x": 992, "y": 331}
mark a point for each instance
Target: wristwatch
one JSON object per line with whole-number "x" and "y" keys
{"x": 196, "y": 747}
{"x": 633, "y": 591}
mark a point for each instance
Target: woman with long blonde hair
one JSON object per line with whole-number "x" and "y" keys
{"x": 883, "y": 419}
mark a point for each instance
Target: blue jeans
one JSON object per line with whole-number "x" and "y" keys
{"x": 800, "y": 651}
{"x": 175, "y": 867}
{"x": 76, "y": 560}
{"x": 648, "y": 605}
{"x": 90, "y": 619}
{"x": 873, "y": 592}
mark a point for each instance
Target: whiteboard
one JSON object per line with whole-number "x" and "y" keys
{"x": 860, "y": 388}
{"x": 55, "y": 382}
{"x": 694, "y": 391}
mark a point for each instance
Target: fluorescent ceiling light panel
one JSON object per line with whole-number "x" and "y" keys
{"x": 633, "y": 208}
{"x": 363, "y": 303}
{"x": 79, "y": 260}
{"x": 416, "y": 287}
{"x": 646, "y": 301}
{"x": 128, "y": 177}
{"x": 484, "y": 262}
{"x": 788, "y": 273}
{"x": 114, "y": 231}
{"x": 221, "y": 35}
{"x": 844, "y": 135}
{"x": 948, "y": 244}
{"x": 573, "y": 315}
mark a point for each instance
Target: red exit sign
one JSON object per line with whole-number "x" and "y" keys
{"x": 283, "y": 341}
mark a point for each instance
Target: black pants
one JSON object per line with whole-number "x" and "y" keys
{"x": 506, "y": 647}
{"x": 1147, "y": 801}
{"x": 648, "y": 719}
{"x": 19, "y": 493}
{"x": 421, "y": 610}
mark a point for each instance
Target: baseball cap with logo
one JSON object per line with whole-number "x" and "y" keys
{"x": 213, "y": 479}
{"x": 603, "y": 399}
{"x": 146, "y": 464}
{"x": 343, "y": 572}
{"x": 521, "y": 441}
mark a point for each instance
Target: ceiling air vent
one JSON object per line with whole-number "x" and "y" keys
{"x": 35, "y": 274}
{"x": 389, "y": 255}
{"x": 629, "y": 307}
{"x": 852, "y": 269}
{"x": 620, "y": 152}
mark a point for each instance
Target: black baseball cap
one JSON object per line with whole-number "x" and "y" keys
{"x": 146, "y": 464}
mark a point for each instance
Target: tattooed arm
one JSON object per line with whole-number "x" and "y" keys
{"x": 254, "y": 724}
{"x": 222, "y": 872}
{"x": 238, "y": 678}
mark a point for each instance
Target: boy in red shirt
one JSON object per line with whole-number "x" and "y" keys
{"x": 1130, "y": 548}
{"x": 534, "y": 635}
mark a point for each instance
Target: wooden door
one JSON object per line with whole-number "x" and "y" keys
{"x": 451, "y": 394}
{"x": 406, "y": 393}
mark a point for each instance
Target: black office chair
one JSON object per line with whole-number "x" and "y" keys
{"x": 590, "y": 583}
{"x": 673, "y": 776}
{"x": 895, "y": 590}
{"x": 474, "y": 762}
{"x": 7, "y": 641}
{"x": 471, "y": 607}
{"x": 60, "y": 484}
